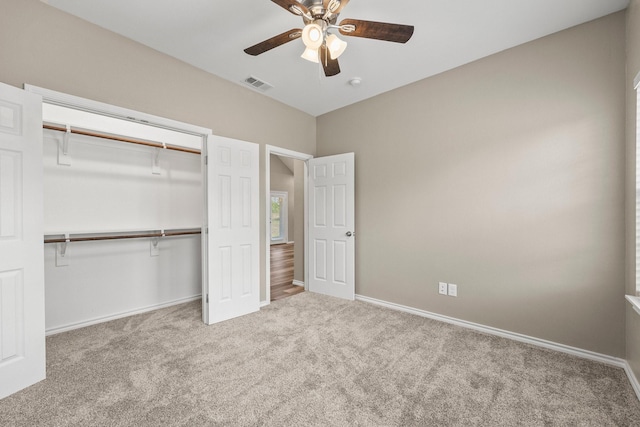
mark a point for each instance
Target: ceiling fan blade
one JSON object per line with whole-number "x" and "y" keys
{"x": 291, "y": 6}
{"x": 331, "y": 67}
{"x": 276, "y": 41}
{"x": 340, "y": 5}
{"x": 377, "y": 30}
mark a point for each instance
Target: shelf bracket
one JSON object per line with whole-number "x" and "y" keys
{"x": 155, "y": 167}
{"x": 63, "y": 148}
{"x": 155, "y": 246}
{"x": 62, "y": 258}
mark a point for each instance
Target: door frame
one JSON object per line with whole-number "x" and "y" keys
{"x": 285, "y": 227}
{"x": 278, "y": 151}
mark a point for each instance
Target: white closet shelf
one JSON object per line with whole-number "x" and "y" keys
{"x": 88, "y": 237}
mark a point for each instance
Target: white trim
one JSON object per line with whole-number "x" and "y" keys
{"x": 635, "y": 302}
{"x": 297, "y": 283}
{"x": 96, "y": 320}
{"x": 636, "y": 81}
{"x": 585, "y": 354}
{"x": 204, "y": 239}
{"x": 290, "y": 243}
{"x": 632, "y": 378}
{"x": 264, "y": 303}
{"x": 76, "y": 102}
{"x": 269, "y": 150}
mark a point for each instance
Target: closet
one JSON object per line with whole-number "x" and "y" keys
{"x": 123, "y": 211}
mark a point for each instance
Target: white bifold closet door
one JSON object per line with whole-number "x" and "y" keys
{"x": 22, "y": 344}
{"x": 232, "y": 244}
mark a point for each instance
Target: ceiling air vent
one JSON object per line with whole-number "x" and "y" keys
{"x": 257, "y": 83}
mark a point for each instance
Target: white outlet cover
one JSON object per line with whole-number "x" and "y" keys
{"x": 453, "y": 290}
{"x": 442, "y": 288}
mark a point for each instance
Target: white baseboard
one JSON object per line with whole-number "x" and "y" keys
{"x": 264, "y": 303}
{"x": 585, "y": 354}
{"x": 291, "y": 242}
{"x": 632, "y": 378}
{"x": 94, "y": 321}
{"x": 298, "y": 283}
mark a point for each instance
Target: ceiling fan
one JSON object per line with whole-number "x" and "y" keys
{"x": 320, "y": 17}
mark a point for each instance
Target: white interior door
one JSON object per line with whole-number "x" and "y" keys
{"x": 331, "y": 225}
{"x": 232, "y": 252}
{"x": 22, "y": 343}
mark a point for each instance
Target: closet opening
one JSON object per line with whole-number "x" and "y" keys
{"x": 123, "y": 211}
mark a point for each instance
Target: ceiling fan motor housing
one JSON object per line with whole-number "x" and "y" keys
{"x": 317, "y": 12}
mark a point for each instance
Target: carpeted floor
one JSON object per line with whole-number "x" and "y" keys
{"x": 312, "y": 360}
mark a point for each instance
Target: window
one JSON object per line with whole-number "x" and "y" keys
{"x": 279, "y": 217}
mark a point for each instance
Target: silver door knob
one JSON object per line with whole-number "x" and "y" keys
{"x": 349, "y": 234}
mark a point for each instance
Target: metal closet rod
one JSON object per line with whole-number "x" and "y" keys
{"x": 142, "y": 234}
{"x": 79, "y": 131}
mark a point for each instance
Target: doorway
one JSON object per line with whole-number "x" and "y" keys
{"x": 287, "y": 218}
{"x": 285, "y": 241}
{"x": 328, "y": 225}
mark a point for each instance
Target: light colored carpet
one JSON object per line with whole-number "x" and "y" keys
{"x": 312, "y": 360}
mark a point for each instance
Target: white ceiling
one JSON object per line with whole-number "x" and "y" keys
{"x": 212, "y": 34}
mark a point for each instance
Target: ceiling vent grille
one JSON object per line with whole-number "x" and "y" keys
{"x": 257, "y": 83}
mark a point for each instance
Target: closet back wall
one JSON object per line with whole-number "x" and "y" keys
{"x": 110, "y": 187}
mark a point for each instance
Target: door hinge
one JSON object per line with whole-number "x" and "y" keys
{"x": 207, "y": 298}
{"x": 206, "y": 160}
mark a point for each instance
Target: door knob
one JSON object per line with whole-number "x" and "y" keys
{"x": 349, "y": 234}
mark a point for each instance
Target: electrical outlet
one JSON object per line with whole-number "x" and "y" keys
{"x": 453, "y": 290}
{"x": 442, "y": 288}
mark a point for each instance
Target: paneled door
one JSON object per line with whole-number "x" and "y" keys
{"x": 232, "y": 279}
{"x": 22, "y": 343}
{"x": 331, "y": 225}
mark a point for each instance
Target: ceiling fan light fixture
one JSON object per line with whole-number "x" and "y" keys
{"x": 296, "y": 9}
{"x": 333, "y": 5}
{"x": 311, "y": 55}
{"x": 312, "y": 36}
{"x": 336, "y": 46}
{"x": 348, "y": 28}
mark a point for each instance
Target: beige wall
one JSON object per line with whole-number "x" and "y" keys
{"x": 633, "y": 68}
{"x": 282, "y": 179}
{"x": 45, "y": 47}
{"x": 506, "y": 177}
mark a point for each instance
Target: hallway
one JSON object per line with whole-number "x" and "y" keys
{"x": 282, "y": 272}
